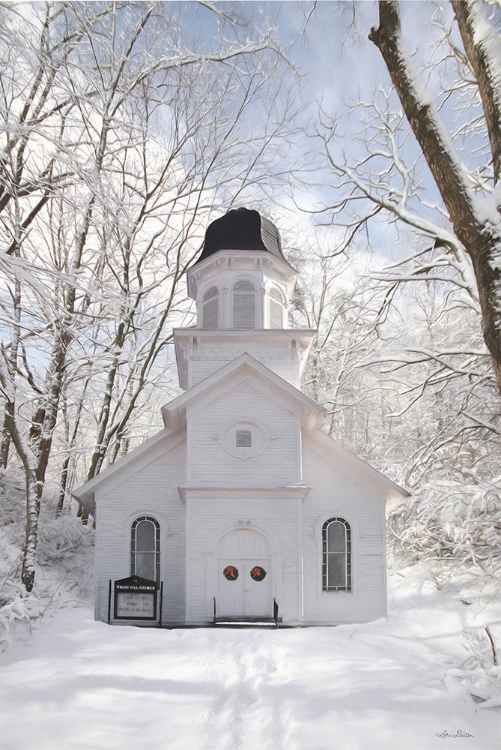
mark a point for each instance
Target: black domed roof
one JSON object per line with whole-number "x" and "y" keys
{"x": 241, "y": 229}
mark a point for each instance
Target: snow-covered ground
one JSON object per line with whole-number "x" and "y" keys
{"x": 418, "y": 680}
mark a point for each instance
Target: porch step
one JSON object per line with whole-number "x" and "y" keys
{"x": 246, "y": 622}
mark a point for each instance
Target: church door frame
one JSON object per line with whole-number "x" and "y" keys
{"x": 248, "y": 590}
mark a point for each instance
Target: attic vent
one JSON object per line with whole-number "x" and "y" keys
{"x": 243, "y": 439}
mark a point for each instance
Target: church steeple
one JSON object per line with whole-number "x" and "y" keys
{"x": 242, "y": 285}
{"x": 241, "y": 280}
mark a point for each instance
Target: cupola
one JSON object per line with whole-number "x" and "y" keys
{"x": 242, "y": 285}
{"x": 241, "y": 279}
{"x": 241, "y": 229}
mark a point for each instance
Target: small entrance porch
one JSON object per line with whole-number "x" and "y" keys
{"x": 243, "y": 564}
{"x": 249, "y": 622}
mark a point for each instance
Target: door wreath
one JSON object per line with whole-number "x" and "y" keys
{"x": 257, "y": 573}
{"x": 230, "y": 573}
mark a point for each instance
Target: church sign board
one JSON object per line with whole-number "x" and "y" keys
{"x": 135, "y": 599}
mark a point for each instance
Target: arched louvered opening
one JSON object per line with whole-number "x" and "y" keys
{"x": 145, "y": 548}
{"x": 210, "y": 308}
{"x": 336, "y": 555}
{"x": 276, "y": 309}
{"x": 244, "y": 305}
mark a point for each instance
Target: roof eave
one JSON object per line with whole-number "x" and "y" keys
{"x": 174, "y": 413}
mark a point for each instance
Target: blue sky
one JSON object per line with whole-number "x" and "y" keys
{"x": 337, "y": 66}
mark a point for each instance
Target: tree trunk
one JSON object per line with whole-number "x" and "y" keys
{"x": 32, "y": 496}
{"x": 478, "y": 230}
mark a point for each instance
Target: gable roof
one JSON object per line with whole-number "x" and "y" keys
{"x": 141, "y": 456}
{"x": 360, "y": 469}
{"x": 244, "y": 367}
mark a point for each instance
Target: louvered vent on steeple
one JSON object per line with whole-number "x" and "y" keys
{"x": 210, "y": 308}
{"x": 276, "y": 309}
{"x": 244, "y": 305}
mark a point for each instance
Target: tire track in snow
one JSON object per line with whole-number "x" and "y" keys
{"x": 246, "y": 712}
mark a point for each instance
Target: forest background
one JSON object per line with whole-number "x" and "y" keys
{"x": 128, "y": 127}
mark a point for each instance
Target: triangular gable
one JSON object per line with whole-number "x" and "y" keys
{"x": 174, "y": 413}
{"x": 359, "y": 469}
{"x": 140, "y": 457}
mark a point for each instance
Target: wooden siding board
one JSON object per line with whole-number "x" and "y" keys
{"x": 198, "y": 370}
{"x": 209, "y": 462}
{"x": 335, "y": 493}
{"x": 208, "y": 521}
{"x": 152, "y": 491}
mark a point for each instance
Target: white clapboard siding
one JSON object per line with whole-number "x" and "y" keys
{"x": 336, "y": 493}
{"x": 151, "y": 491}
{"x": 208, "y": 520}
{"x": 287, "y": 369}
{"x": 208, "y": 461}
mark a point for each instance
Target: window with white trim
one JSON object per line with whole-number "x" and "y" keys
{"x": 336, "y": 555}
{"x": 244, "y": 304}
{"x": 276, "y": 309}
{"x": 210, "y": 308}
{"x": 145, "y": 548}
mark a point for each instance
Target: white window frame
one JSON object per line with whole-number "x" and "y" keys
{"x": 348, "y": 555}
{"x": 133, "y": 545}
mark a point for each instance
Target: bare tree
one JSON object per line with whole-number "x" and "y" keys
{"x": 476, "y": 224}
{"x": 120, "y": 141}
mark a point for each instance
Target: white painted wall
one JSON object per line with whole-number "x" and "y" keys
{"x": 151, "y": 491}
{"x": 208, "y": 461}
{"x": 336, "y": 493}
{"x": 280, "y": 363}
{"x": 208, "y": 519}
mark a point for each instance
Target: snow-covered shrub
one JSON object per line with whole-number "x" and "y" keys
{"x": 448, "y": 520}
{"x": 61, "y": 539}
{"x": 64, "y": 573}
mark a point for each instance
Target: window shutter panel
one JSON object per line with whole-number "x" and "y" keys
{"x": 276, "y": 309}
{"x": 244, "y": 305}
{"x": 210, "y": 308}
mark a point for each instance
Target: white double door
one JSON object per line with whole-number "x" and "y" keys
{"x": 244, "y": 574}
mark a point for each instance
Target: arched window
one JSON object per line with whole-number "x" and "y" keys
{"x": 336, "y": 555}
{"x": 276, "y": 309}
{"x": 210, "y": 308}
{"x": 145, "y": 548}
{"x": 244, "y": 305}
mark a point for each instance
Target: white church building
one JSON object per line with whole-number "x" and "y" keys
{"x": 241, "y": 508}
